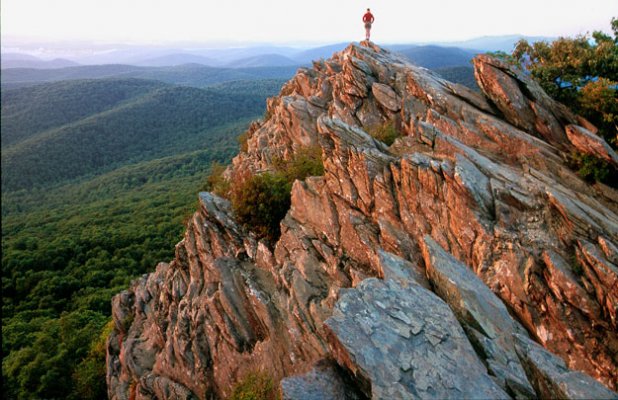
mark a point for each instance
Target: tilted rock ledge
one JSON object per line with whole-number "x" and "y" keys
{"x": 466, "y": 260}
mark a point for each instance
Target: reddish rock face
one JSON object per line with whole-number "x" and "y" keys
{"x": 474, "y": 194}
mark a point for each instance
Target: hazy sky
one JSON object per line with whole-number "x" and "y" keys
{"x": 288, "y": 21}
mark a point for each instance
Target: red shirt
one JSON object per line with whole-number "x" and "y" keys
{"x": 368, "y": 17}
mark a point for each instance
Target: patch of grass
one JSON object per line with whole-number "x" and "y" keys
{"x": 593, "y": 169}
{"x": 256, "y": 386}
{"x": 242, "y": 141}
{"x": 261, "y": 201}
{"x": 307, "y": 161}
{"x": 216, "y": 182}
{"x": 386, "y": 132}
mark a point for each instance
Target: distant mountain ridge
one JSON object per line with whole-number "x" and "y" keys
{"x": 495, "y": 43}
{"x": 19, "y": 60}
{"x": 191, "y": 70}
{"x": 176, "y": 59}
{"x": 264, "y": 60}
{"x": 432, "y": 56}
{"x": 219, "y": 57}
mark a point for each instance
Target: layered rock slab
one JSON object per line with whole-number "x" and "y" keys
{"x": 552, "y": 379}
{"x": 405, "y": 343}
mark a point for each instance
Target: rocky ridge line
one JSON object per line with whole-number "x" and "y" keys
{"x": 468, "y": 236}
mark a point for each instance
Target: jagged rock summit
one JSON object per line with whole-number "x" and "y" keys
{"x": 463, "y": 261}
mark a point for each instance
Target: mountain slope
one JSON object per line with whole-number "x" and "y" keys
{"x": 176, "y": 59}
{"x": 188, "y": 74}
{"x": 450, "y": 264}
{"x": 464, "y": 75}
{"x": 66, "y": 251}
{"x": 142, "y": 120}
{"x": 29, "y": 111}
{"x": 263, "y": 60}
{"x": 17, "y": 60}
{"x": 433, "y": 57}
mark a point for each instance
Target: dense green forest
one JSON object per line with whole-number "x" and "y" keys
{"x": 194, "y": 75}
{"x": 463, "y": 75}
{"x": 160, "y": 121}
{"x": 434, "y": 57}
{"x": 76, "y": 229}
{"x": 28, "y": 111}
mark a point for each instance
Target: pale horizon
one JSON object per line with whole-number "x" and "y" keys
{"x": 279, "y": 22}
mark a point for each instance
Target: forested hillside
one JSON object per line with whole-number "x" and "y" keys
{"x": 195, "y": 75}
{"x": 98, "y": 177}
{"x": 433, "y": 57}
{"x": 463, "y": 75}
{"x": 32, "y": 110}
{"x": 107, "y": 124}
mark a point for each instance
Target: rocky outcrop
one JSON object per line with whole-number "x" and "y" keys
{"x": 452, "y": 263}
{"x": 404, "y": 342}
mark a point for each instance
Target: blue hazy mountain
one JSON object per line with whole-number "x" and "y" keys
{"x": 495, "y": 43}
{"x": 234, "y": 55}
{"x": 18, "y": 60}
{"x": 433, "y": 56}
{"x": 317, "y": 53}
{"x": 177, "y": 59}
{"x": 263, "y": 60}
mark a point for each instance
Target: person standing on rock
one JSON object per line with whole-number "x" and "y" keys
{"x": 368, "y": 20}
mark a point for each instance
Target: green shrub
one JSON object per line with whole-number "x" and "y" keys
{"x": 89, "y": 377}
{"x": 256, "y": 386}
{"x": 260, "y": 201}
{"x": 594, "y": 169}
{"x": 216, "y": 182}
{"x": 307, "y": 161}
{"x": 386, "y": 133}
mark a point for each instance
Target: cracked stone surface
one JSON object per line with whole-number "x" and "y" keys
{"x": 407, "y": 343}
